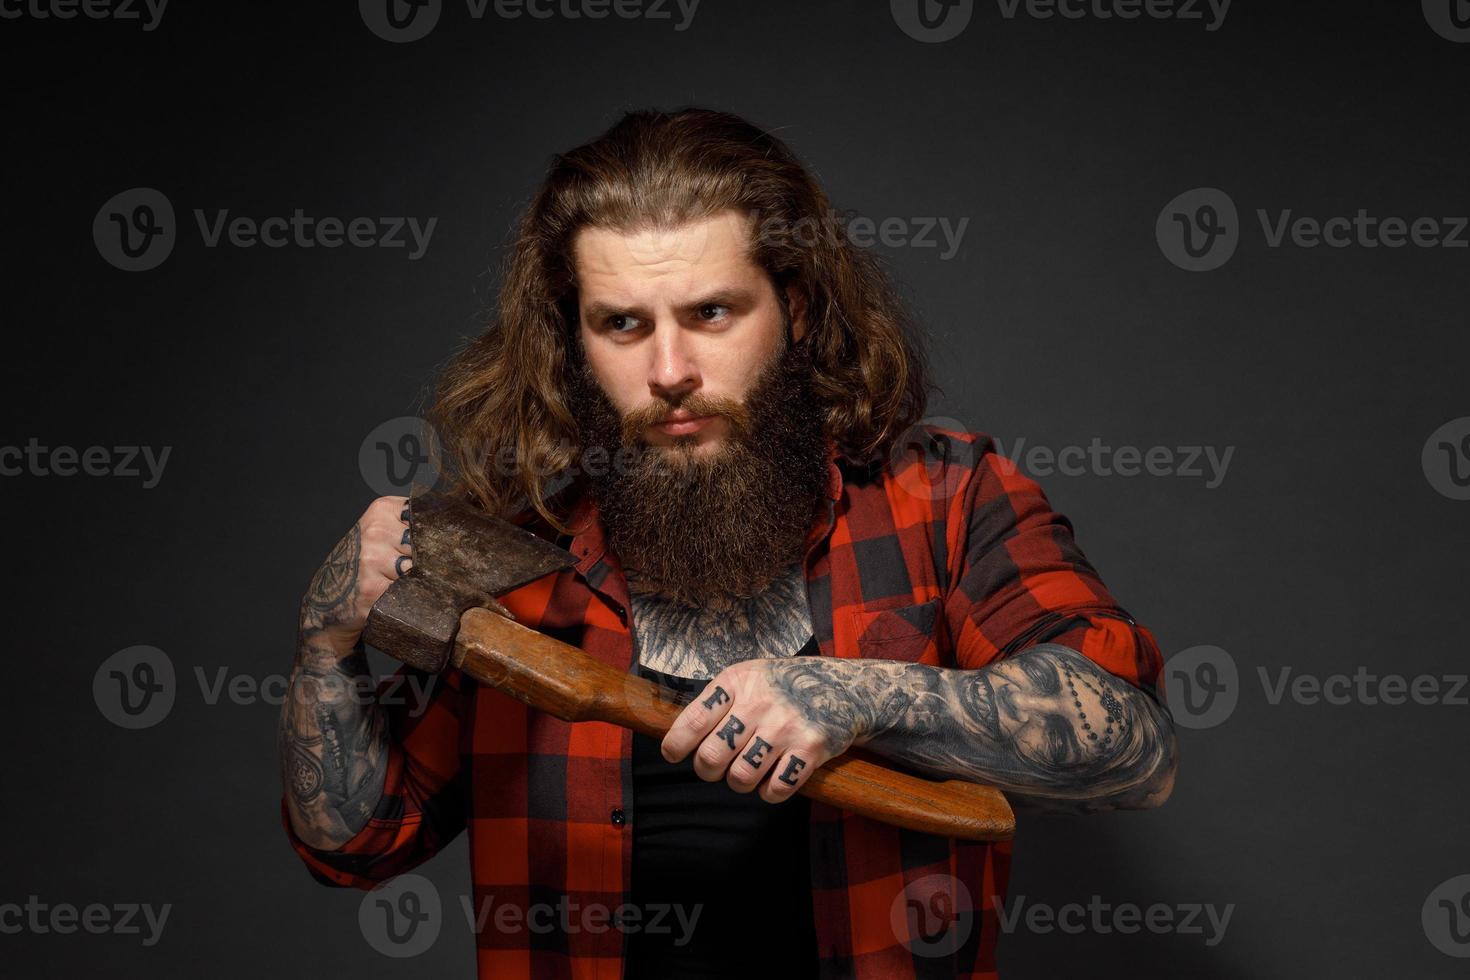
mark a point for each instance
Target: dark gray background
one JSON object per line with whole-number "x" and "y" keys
{"x": 1324, "y": 549}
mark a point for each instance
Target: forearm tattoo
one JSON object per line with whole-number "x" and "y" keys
{"x": 332, "y": 737}
{"x": 1048, "y": 725}
{"x": 334, "y": 584}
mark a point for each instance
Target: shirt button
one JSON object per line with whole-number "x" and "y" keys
{"x": 618, "y": 817}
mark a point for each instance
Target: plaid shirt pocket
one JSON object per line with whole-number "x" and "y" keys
{"x": 898, "y": 632}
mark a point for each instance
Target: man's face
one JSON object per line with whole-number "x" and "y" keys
{"x": 676, "y": 325}
{"x": 682, "y": 326}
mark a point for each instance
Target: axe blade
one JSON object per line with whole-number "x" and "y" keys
{"x": 462, "y": 558}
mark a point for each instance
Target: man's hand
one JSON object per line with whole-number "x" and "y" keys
{"x": 746, "y": 729}
{"x": 370, "y": 556}
{"x": 1047, "y": 726}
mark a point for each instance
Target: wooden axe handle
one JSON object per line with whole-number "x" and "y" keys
{"x": 564, "y": 681}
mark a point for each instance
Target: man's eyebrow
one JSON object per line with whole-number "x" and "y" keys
{"x": 727, "y": 296}
{"x": 599, "y": 310}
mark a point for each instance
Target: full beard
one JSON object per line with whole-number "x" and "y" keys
{"x": 708, "y": 529}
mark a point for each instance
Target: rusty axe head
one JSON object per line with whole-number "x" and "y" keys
{"x": 462, "y": 558}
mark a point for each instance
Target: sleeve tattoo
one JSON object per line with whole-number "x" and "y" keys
{"x": 1048, "y": 725}
{"x": 332, "y": 738}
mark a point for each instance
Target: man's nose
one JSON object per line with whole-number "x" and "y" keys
{"x": 673, "y": 373}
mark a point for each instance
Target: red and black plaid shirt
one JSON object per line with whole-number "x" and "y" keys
{"x": 947, "y": 556}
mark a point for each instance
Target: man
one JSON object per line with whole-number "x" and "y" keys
{"x": 728, "y": 392}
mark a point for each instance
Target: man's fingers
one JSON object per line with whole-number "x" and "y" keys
{"x": 753, "y": 761}
{"x": 789, "y": 773}
{"x": 695, "y": 722}
{"x": 721, "y": 746}
{"x": 401, "y": 565}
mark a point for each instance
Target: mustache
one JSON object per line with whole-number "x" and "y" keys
{"x": 695, "y": 404}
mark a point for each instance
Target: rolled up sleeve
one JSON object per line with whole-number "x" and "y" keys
{"x": 423, "y": 804}
{"x": 1022, "y": 580}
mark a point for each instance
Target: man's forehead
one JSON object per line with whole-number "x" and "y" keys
{"x": 693, "y": 253}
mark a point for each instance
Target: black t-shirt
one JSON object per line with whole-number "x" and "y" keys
{"x": 740, "y": 863}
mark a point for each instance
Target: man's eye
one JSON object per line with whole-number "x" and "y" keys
{"x": 713, "y": 311}
{"x": 622, "y": 323}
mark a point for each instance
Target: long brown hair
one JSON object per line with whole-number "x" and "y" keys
{"x": 501, "y": 407}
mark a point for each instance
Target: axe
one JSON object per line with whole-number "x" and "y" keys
{"x": 443, "y": 612}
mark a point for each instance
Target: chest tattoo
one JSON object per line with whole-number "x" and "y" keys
{"x": 700, "y": 642}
